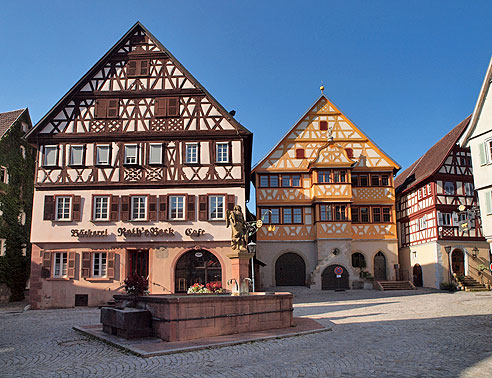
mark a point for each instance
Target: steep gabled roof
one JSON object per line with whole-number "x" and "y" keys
{"x": 431, "y": 161}
{"x": 7, "y": 119}
{"x": 80, "y": 84}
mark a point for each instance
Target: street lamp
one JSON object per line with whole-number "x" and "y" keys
{"x": 252, "y": 247}
{"x": 475, "y": 252}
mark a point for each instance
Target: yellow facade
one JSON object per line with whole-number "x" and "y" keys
{"x": 326, "y": 181}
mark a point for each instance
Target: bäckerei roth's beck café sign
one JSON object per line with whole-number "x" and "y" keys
{"x": 135, "y": 232}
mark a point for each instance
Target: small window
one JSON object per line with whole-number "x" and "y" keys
{"x": 101, "y": 208}
{"x": 274, "y": 181}
{"x": 263, "y": 181}
{"x": 60, "y": 264}
{"x": 364, "y": 215}
{"x": 131, "y": 154}
{"x": 384, "y": 180}
{"x": 50, "y": 156}
{"x": 76, "y": 155}
{"x": 216, "y": 204}
{"x": 469, "y": 189}
{"x": 23, "y": 151}
{"x": 363, "y": 181}
{"x": 99, "y": 264}
{"x": 323, "y": 125}
{"x": 166, "y": 107}
{"x": 423, "y": 223}
{"x": 22, "y": 217}
{"x": 270, "y": 216}
{"x": 222, "y": 153}
{"x": 355, "y": 215}
{"x": 374, "y": 180}
{"x": 300, "y": 153}
{"x": 63, "y": 206}
{"x": 296, "y": 181}
{"x": 191, "y": 153}
{"x": 155, "y": 153}
{"x": 138, "y": 68}
{"x": 107, "y": 108}
{"x": 3, "y": 246}
{"x": 176, "y": 207}
{"x": 358, "y": 260}
{"x": 297, "y": 215}
{"x": 323, "y": 177}
{"x": 376, "y": 215}
{"x": 265, "y": 215}
{"x": 286, "y": 181}
{"x": 339, "y": 176}
{"x": 386, "y": 214}
{"x": 340, "y": 213}
{"x": 445, "y": 219}
{"x": 355, "y": 180}
{"x": 287, "y": 215}
{"x": 4, "y": 175}
{"x": 103, "y": 155}
{"x": 139, "y": 207}
{"x": 325, "y": 213}
{"x": 449, "y": 188}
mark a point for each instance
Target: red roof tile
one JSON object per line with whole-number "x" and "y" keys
{"x": 7, "y": 119}
{"x": 432, "y": 160}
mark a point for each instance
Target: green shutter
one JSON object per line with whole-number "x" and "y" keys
{"x": 483, "y": 156}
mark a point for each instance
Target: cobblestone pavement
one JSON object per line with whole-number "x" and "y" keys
{"x": 375, "y": 334}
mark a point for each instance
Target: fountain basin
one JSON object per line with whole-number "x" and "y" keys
{"x": 195, "y": 316}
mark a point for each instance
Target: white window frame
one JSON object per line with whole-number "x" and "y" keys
{"x": 3, "y": 247}
{"x": 103, "y": 147}
{"x": 216, "y": 210}
{"x": 60, "y": 264}
{"x": 131, "y": 159}
{"x": 76, "y": 146}
{"x": 46, "y": 149}
{"x": 177, "y": 204}
{"x": 189, "y": 157}
{"x": 98, "y": 215}
{"x": 67, "y": 209}
{"x": 423, "y": 223}
{"x": 160, "y": 154}
{"x": 445, "y": 219}
{"x": 138, "y": 216}
{"x": 99, "y": 264}
{"x": 219, "y": 154}
{"x": 447, "y": 183}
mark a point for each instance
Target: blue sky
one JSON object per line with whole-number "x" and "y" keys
{"x": 405, "y": 72}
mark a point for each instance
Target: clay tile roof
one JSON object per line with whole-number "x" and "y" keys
{"x": 7, "y": 119}
{"x": 430, "y": 162}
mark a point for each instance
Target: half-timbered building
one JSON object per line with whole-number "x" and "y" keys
{"x": 439, "y": 234}
{"x": 326, "y": 193}
{"x": 137, "y": 165}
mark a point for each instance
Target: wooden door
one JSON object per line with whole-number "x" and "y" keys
{"x": 458, "y": 262}
{"x": 380, "y": 267}
{"x": 290, "y": 270}
{"x": 417, "y": 276}
{"x": 139, "y": 262}
{"x": 329, "y": 280}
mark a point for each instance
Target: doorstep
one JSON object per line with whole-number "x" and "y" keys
{"x": 149, "y": 347}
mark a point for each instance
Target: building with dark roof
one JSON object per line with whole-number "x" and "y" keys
{"x": 440, "y": 235}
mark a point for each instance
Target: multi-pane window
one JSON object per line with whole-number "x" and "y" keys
{"x": 263, "y": 181}
{"x": 101, "y": 208}
{"x": 76, "y": 155}
{"x": 287, "y": 215}
{"x": 384, "y": 180}
{"x": 216, "y": 207}
{"x": 329, "y": 213}
{"x": 63, "y": 208}
{"x": 468, "y": 189}
{"x": 323, "y": 177}
{"x": 449, "y": 188}
{"x": 102, "y": 154}
{"x": 445, "y": 219}
{"x": 139, "y": 207}
{"x": 176, "y": 207}
{"x": 155, "y": 153}
{"x": 131, "y": 154}
{"x": 364, "y": 215}
{"x": 325, "y": 213}
{"x": 339, "y": 176}
{"x": 191, "y": 153}
{"x": 297, "y": 215}
{"x": 222, "y": 152}
{"x": 355, "y": 180}
{"x": 270, "y": 216}
{"x": 374, "y": 180}
{"x": 60, "y": 264}
{"x": 274, "y": 182}
{"x": 99, "y": 264}
{"x": 50, "y": 156}
{"x": 291, "y": 181}
{"x": 423, "y": 223}
{"x": 386, "y": 214}
{"x": 363, "y": 180}
{"x": 376, "y": 215}
{"x": 340, "y": 212}
{"x": 137, "y": 68}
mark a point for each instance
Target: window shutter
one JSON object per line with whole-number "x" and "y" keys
{"x": 231, "y": 201}
{"x": 101, "y": 108}
{"x": 132, "y": 68}
{"x": 323, "y": 125}
{"x": 71, "y": 265}
{"x": 160, "y": 108}
{"x": 173, "y": 107}
{"x": 49, "y": 208}
{"x": 190, "y": 207}
{"x": 46, "y": 265}
{"x": 76, "y": 208}
{"x": 152, "y": 208}
{"x": 110, "y": 265}
{"x": 125, "y": 208}
{"x": 483, "y": 154}
{"x": 113, "y": 107}
{"x": 162, "y": 207}
{"x": 488, "y": 202}
{"x": 439, "y": 218}
{"x": 203, "y": 207}
{"x": 144, "y": 67}
{"x": 115, "y": 207}
{"x": 86, "y": 265}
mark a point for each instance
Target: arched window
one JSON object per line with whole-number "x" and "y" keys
{"x": 358, "y": 260}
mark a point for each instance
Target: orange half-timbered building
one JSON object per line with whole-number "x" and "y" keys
{"x": 328, "y": 191}
{"x": 137, "y": 165}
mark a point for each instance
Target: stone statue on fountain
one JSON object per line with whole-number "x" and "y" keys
{"x": 239, "y": 229}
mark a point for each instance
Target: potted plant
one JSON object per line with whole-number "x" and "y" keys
{"x": 136, "y": 285}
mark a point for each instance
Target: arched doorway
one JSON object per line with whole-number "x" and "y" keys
{"x": 196, "y": 266}
{"x": 329, "y": 280}
{"x": 458, "y": 262}
{"x": 417, "y": 276}
{"x": 380, "y": 267}
{"x": 290, "y": 270}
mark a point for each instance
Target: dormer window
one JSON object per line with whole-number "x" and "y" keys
{"x": 138, "y": 68}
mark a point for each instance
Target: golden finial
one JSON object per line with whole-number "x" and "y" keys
{"x": 322, "y": 88}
